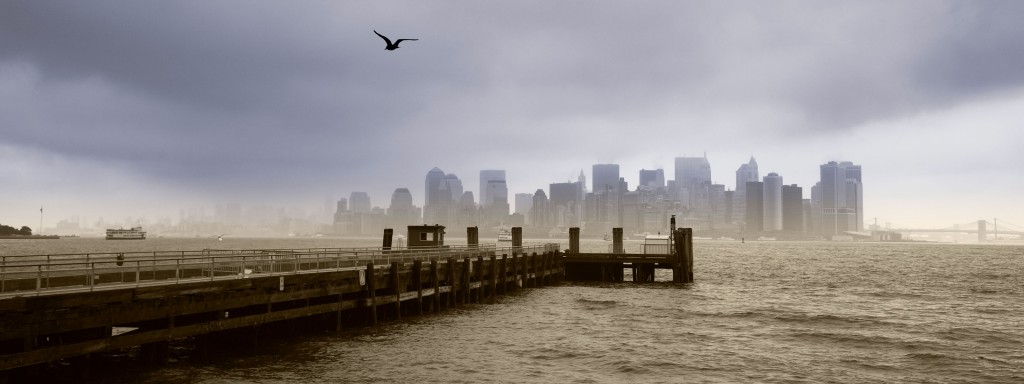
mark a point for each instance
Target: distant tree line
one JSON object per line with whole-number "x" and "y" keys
{"x": 6, "y": 230}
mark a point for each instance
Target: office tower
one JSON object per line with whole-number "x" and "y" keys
{"x": 539, "y": 210}
{"x": 716, "y": 200}
{"x": 772, "y": 202}
{"x": 435, "y": 197}
{"x": 360, "y": 202}
{"x": 814, "y": 222}
{"x": 563, "y": 194}
{"x": 583, "y": 183}
{"x": 466, "y": 200}
{"x": 342, "y": 205}
{"x": 842, "y": 198}
{"x": 746, "y": 172}
{"x": 754, "y": 206}
{"x": 453, "y": 185}
{"x": 496, "y": 191}
{"x": 606, "y": 178}
{"x": 487, "y": 176}
{"x": 401, "y": 212}
{"x": 523, "y": 203}
{"x": 652, "y": 178}
{"x": 792, "y": 208}
{"x": 693, "y": 179}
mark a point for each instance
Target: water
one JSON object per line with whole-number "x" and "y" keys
{"x": 775, "y": 312}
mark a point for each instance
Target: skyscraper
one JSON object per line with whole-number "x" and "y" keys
{"x": 360, "y": 202}
{"x": 792, "y": 208}
{"x": 487, "y": 176}
{"x": 842, "y": 198}
{"x": 691, "y": 171}
{"x": 435, "y": 197}
{"x": 606, "y": 178}
{"x": 754, "y": 206}
{"x": 453, "y": 185}
{"x": 746, "y": 172}
{"x": 772, "y": 202}
{"x": 653, "y": 178}
{"x": 523, "y": 203}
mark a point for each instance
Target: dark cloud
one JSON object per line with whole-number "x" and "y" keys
{"x": 251, "y": 96}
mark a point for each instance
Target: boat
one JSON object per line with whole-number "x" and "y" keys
{"x": 135, "y": 233}
{"x": 504, "y": 234}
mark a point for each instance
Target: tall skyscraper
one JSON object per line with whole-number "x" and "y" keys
{"x": 606, "y": 178}
{"x": 691, "y": 171}
{"x": 583, "y": 183}
{"x": 487, "y": 176}
{"x": 497, "y": 191}
{"x": 563, "y": 194}
{"x": 746, "y": 172}
{"x": 792, "y": 208}
{"x": 401, "y": 212}
{"x": 360, "y": 202}
{"x": 453, "y": 185}
{"x": 652, "y": 178}
{"x": 523, "y": 203}
{"x": 539, "y": 210}
{"x": 842, "y": 198}
{"x": 772, "y": 202}
{"x": 754, "y": 206}
{"x": 436, "y": 197}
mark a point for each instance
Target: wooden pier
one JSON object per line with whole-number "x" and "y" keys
{"x": 55, "y": 307}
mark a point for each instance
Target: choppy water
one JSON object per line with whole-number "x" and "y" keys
{"x": 759, "y": 312}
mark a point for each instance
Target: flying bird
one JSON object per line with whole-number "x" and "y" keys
{"x": 392, "y": 46}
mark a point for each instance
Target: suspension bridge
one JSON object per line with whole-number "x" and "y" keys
{"x": 985, "y": 229}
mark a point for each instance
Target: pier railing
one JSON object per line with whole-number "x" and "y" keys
{"x": 60, "y": 273}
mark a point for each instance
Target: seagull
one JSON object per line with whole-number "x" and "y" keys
{"x": 392, "y": 47}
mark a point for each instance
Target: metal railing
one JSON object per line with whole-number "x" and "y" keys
{"x": 59, "y": 273}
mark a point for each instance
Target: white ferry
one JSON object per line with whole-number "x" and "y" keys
{"x": 504, "y": 234}
{"x": 135, "y": 233}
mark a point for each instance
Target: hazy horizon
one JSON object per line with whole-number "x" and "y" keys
{"x": 119, "y": 108}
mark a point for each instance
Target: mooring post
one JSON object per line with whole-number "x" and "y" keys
{"x": 480, "y": 278}
{"x": 395, "y": 286}
{"x": 371, "y": 290}
{"x": 617, "y": 240}
{"x": 473, "y": 236}
{"x": 494, "y": 278}
{"x": 387, "y": 239}
{"x": 450, "y": 276}
{"x": 515, "y": 272}
{"x": 574, "y": 240}
{"x": 688, "y": 255}
{"x": 504, "y": 274}
{"x": 517, "y": 239}
{"x": 436, "y": 299}
{"x": 467, "y": 266}
{"x": 417, "y": 282}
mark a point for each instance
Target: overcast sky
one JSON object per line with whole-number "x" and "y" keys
{"x": 116, "y": 108}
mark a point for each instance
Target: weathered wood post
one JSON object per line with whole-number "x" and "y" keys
{"x": 473, "y": 236}
{"x": 467, "y": 267}
{"x": 417, "y": 282}
{"x": 617, "y": 240}
{"x": 371, "y": 290}
{"x": 515, "y": 271}
{"x": 387, "y": 239}
{"x": 396, "y": 287}
{"x": 494, "y": 279}
{"x": 480, "y": 278}
{"x": 517, "y": 239}
{"x": 436, "y": 299}
{"x": 504, "y": 274}
{"x": 450, "y": 273}
{"x": 574, "y": 240}
{"x": 688, "y": 255}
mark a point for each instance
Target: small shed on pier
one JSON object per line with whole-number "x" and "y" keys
{"x": 426, "y": 235}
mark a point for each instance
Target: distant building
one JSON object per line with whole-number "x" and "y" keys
{"x": 653, "y": 178}
{"x": 524, "y": 201}
{"x": 772, "y": 202}
{"x": 539, "y": 210}
{"x": 360, "y": 202}
{"x": 487, "y": 176}
{"x": 746, "y": 172}
{"x": 402, "y": 212}
{"x": 754, "y": 206}
{"x": 435, "y": 197}
{"x": 606, "y": 178}
{"x": 842, "y": 198}
{"x": 792, "y": 208}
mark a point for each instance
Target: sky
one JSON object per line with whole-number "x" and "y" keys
{"x": 126, "y": 108}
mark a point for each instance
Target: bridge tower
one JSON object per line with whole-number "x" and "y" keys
{"x": 982, "y": 232}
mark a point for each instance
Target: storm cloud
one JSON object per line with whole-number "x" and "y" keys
{"x": 197, "y": 101}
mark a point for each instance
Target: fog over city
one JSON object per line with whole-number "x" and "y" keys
{"x": 122, "y": 108}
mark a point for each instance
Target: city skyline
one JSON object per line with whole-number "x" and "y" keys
{"x": 123, "y": 110}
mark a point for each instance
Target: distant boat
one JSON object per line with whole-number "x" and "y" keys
{"x": 135, "y": 233}
{"x": 504, "y": 234}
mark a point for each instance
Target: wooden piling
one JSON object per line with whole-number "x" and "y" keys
{"x": 494, "y": 280}
{"x": 467, "y": 266}
{"x": 504, "y": 274}
{"x": 480, "y": 278}
{"x": 617, "y": 241}
{"x": 417, "y": 283}
{"x": 371, "y": 289}
{"x": 396, "y": 289}
{"x": 473, "y": 236}
{"x": 574, "y": 240}
{"x": 515, "y": 271}
{"x": 436, "y": 297}
{"x": 388, "y": 232}
{"x": 450, "y": 277}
